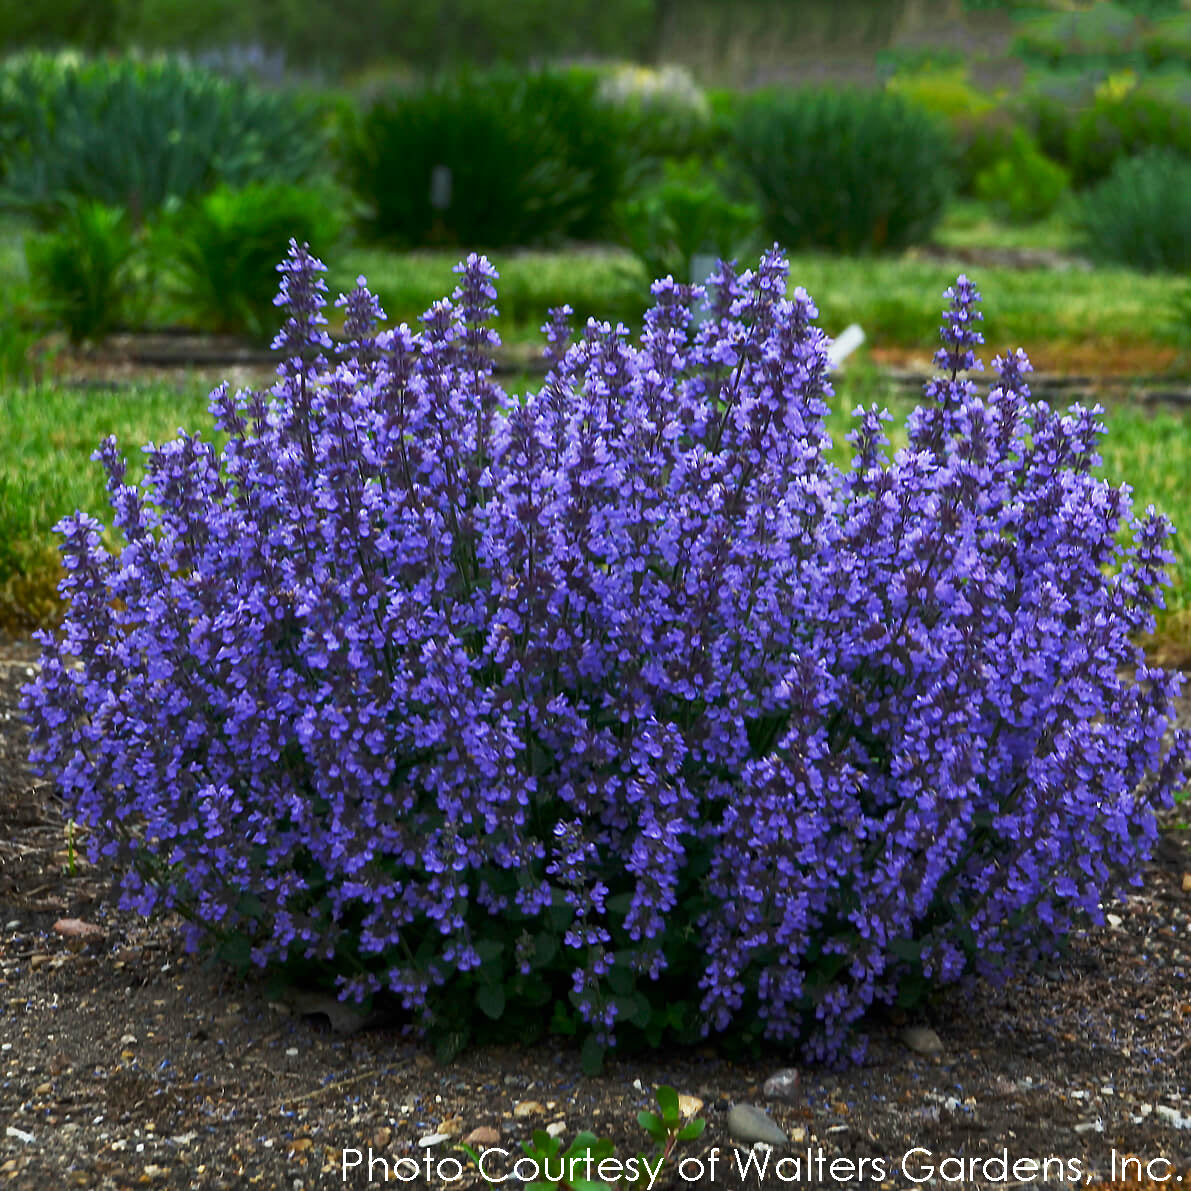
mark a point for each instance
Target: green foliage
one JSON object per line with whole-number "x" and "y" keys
{"x": 1024, "y": 185}
{"x": 517, "y": 159}
{"x": 221, "y": 251}
{"x": 1101, "y": 29}
{"x": 137, "y": 134}
{"x": 83, "y": 270}
{"x": 1140, "y": 215}
{"x": 685, "y": 214}
{"x": 847, "y": 171}
{"x": 1168, "y": 41}
{"x": 582, "y": 1158}
{"x": 664, "y": 115}
{"x": 1117, "y": 126}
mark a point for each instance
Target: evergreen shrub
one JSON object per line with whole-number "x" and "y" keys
{"x": 140, "y": 134}
{"x": 846, "y": 171}
{"x": 494, "y": 159}
{"x": 1115, "y": 127}
{"x": 617, "y": 707}
{"x": 1140, "y": 216}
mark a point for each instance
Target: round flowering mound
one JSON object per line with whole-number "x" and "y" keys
{"x": 618, "y": 702}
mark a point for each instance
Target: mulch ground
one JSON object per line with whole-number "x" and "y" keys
{"x": 126, "y": 1063}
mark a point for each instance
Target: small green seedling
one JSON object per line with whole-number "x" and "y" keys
{"x": 588, "y": 1158}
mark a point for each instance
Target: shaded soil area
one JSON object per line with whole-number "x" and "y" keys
{"x": 126, "y": 1063}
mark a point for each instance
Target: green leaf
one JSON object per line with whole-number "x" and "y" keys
{"x": 652, "y": 1125}
{"x": 668, "y": 1102}
{"x": 692, "y": 1129}
{"x": 491, "y": 1000}
{"x": 488, "y": 950}
{"x": 591, "y": 1056}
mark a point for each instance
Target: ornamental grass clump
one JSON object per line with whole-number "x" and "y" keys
{"x": 616, "y": 707}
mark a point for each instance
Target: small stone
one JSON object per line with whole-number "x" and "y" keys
{"x": 748, "y": 1123}
{"x": 78, "y": 930}
{"x": 128, "y": 1040}
{"x": 39, "y": 960}
{"x": 482, "y": 1135}
{"x": 1172, "y": 1116}
{"x": 1090, "y": 1127}
{"x": 688, "y": 1105}
{"x": 1114, "y": 920}
{"x": 382, "y": 1137}
{"x": 556, "y": 1128}
{"x": 43, "y": 1089}
{"x": 782, "y": 1085}
{"x": 527, "y": 1108}
{"x": 798, "y": 1134}
{"x": 15, "y": 923}
{"x": 19, "y": 1134}
{"x": 433, "y": 1139}
{"x": 452, "y": 1126}
{"x": 922, "y": 1040}
{"x": 1186, "y": 889}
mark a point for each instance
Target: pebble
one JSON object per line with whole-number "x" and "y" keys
{"x": 527, "y": 1108}
{"x": 433, "y": 1139}
{"x": 15, "y": 924}
{"x": 483, "y": 1135}
{"x": 1172, "y": 1116}
{"x": 922, "y": 1040}
{"x": 1114, "y": 920}
{"x": 1186, "y": 889}
{"x": 747, "y": 1122}
{"x": 782, "y": 1085}
{"x": 19, "y": 1134}
{"x": 556, "y": 1128}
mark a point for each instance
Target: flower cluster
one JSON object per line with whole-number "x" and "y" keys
{"x": 619, "y": 696}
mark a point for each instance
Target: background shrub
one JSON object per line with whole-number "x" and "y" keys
{"x": 221, "y": 250}
{"x": 136, "y": 135}
{"x": 618, "y": 702}
{"x": 665, "y": 225}
{"x": 1023, "y": 184}
{"x": 532, "y": 158}
{"x": 1141, "y": 215}
{"x": 1114, "y": 127}
{"x": 847, "y": 171}
{"x": 83, "y": 271}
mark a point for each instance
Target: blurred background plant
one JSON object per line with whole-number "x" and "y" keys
{"x": 687, "y": 214}
{"x": 845, "y": 171}
{"x": 220, "y": 251}
{"x": 490, "y": 160}
{"x": 1140, "y": 216}
{"x": 84, "y": 269}
{"x": 136, "y": 134}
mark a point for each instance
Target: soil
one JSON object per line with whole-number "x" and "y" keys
{"x": 125, "y": 1062}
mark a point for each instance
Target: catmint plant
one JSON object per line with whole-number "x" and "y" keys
{"x": 615, "y": 706}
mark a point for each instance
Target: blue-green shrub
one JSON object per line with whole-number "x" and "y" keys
{"x": 1140, "y": 215}
{"x": 137, "y": 134}
{"x": 532, "y": 158}
{"x": 849, "y": 171}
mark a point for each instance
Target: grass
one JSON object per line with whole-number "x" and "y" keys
{"x": 1121, "y": 316}
{"x": 1115, "y": 313}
